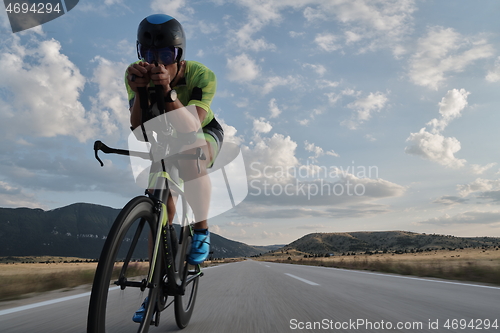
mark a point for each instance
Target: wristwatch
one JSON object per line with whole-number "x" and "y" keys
{"x": 171, "y": 96}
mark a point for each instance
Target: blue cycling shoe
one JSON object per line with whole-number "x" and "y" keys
{"x": 200, "y": 247}
{"x": 139, "y": 314}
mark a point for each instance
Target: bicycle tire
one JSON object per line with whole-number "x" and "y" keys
{"x": 137, "y": 216}
{"x": 184, "y": 304}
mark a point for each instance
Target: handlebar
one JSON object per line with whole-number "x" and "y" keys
{"x": 99, "y": 145}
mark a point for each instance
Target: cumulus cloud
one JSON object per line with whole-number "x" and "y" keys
{"x": 44, "y": 92}
{"x": 242, "y": 68}
{"x": 261, "y": 126}
{"x": 450, "y": 108}
{"x": 111, "y": 100}
{"x": 435, "y": 147}
{"x": 443, "y": 51}
{"x": 431, "y": 144}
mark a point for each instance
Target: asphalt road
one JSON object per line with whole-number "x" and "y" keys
{"x": 259, "y": 297}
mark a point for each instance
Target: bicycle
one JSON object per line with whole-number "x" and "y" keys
{"x": 142, "y": 229}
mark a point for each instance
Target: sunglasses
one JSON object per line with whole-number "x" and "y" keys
{"x": 165, "y": 55}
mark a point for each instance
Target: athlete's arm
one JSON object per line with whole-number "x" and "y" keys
{"x": 137, "y": 76}
{"x": 181, "y": 119}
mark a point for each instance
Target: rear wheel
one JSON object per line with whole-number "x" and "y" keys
{"x": 122, "y": 279}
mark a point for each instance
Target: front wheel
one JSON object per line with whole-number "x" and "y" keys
{"x": 122, "y": 280}
{"x": 188, "y": 275}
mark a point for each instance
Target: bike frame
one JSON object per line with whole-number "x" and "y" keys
{"x": 163, "y": 178}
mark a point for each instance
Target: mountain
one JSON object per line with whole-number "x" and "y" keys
{"x": 389, "y": 241}
{"x": 77, "y": 230}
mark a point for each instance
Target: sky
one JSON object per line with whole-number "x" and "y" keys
{"x": 351, "y": 115}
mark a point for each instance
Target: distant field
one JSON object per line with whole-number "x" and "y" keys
{"x": 23, "y": 276}
{"x": 478, "y": 265}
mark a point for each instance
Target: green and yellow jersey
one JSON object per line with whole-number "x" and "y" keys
{"x": 196, "y": 88}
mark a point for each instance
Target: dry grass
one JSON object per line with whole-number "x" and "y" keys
{"x": 20, "y": 276}
{"x": 475, "y": 265}
{"x": 20, "y": 279}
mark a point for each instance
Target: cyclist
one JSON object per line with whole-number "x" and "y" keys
{"x": 161, "y": 48}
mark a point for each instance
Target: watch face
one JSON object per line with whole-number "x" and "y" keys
{"x": 173, "y": 95}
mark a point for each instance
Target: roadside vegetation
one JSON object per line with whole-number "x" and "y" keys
{"x": 25, "y": 276}
{"x": 474, "y": 265}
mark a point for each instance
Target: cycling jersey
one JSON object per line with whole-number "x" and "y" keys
{"x": 196, "y": 88}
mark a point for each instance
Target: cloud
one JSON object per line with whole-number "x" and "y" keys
{"x": 450, "y": 108}
{"x": 490, "y": 196}
{"x": 275, "y": 81}
{"x": 449, "y": 200}
{"x": 368, "y": 24}
{"x": 259, "y": 15}
{"x": 480, "y": 169}
{"x": 266, "y": 212}
{"x": 378, "y": 24}
{"x": 442, "y": 51}
{"x": 175, "y": 8}
{"x": 111, "y": 99}
{"x": 244, "y": 225}
{"x": 312, "y": 115}
{"x": 318, "y": 151}
{"x": 471, "y": 217}
{"x": 494, "y": 74}
{"x": 261, "y": 126}
{"x": 44, "y": 89}
{"x": 327, "y": 84}
{"x": 319, "y": 69}
{"x": 272, "y": 185}
{"x": 242, "y": 68}
{"x": 432, "y": 145}
{"x": 327, "y": 42}
{"x": 295, "y": 34}
{"x": 364, "y": 108}
{"x": 273, "y": 108}
{"x": 478, "y": 185}
{"x": 435, "y": 147}
{"x": 11, "y": 196}
{"x": 275, "y": 150}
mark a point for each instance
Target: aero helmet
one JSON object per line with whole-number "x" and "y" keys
{"x": 160, "y": 31}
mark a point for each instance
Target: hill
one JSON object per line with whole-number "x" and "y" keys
{"x": 77, "y": 230}
{"x": 384, "y": 241}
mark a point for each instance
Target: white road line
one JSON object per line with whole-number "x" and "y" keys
{"x": 267, "y": 266}
{"x": 57, "y": 300}
{"x": 303, "y": 280}
{"x": 408, "y": 277}
{"x": 54, "y": 301}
